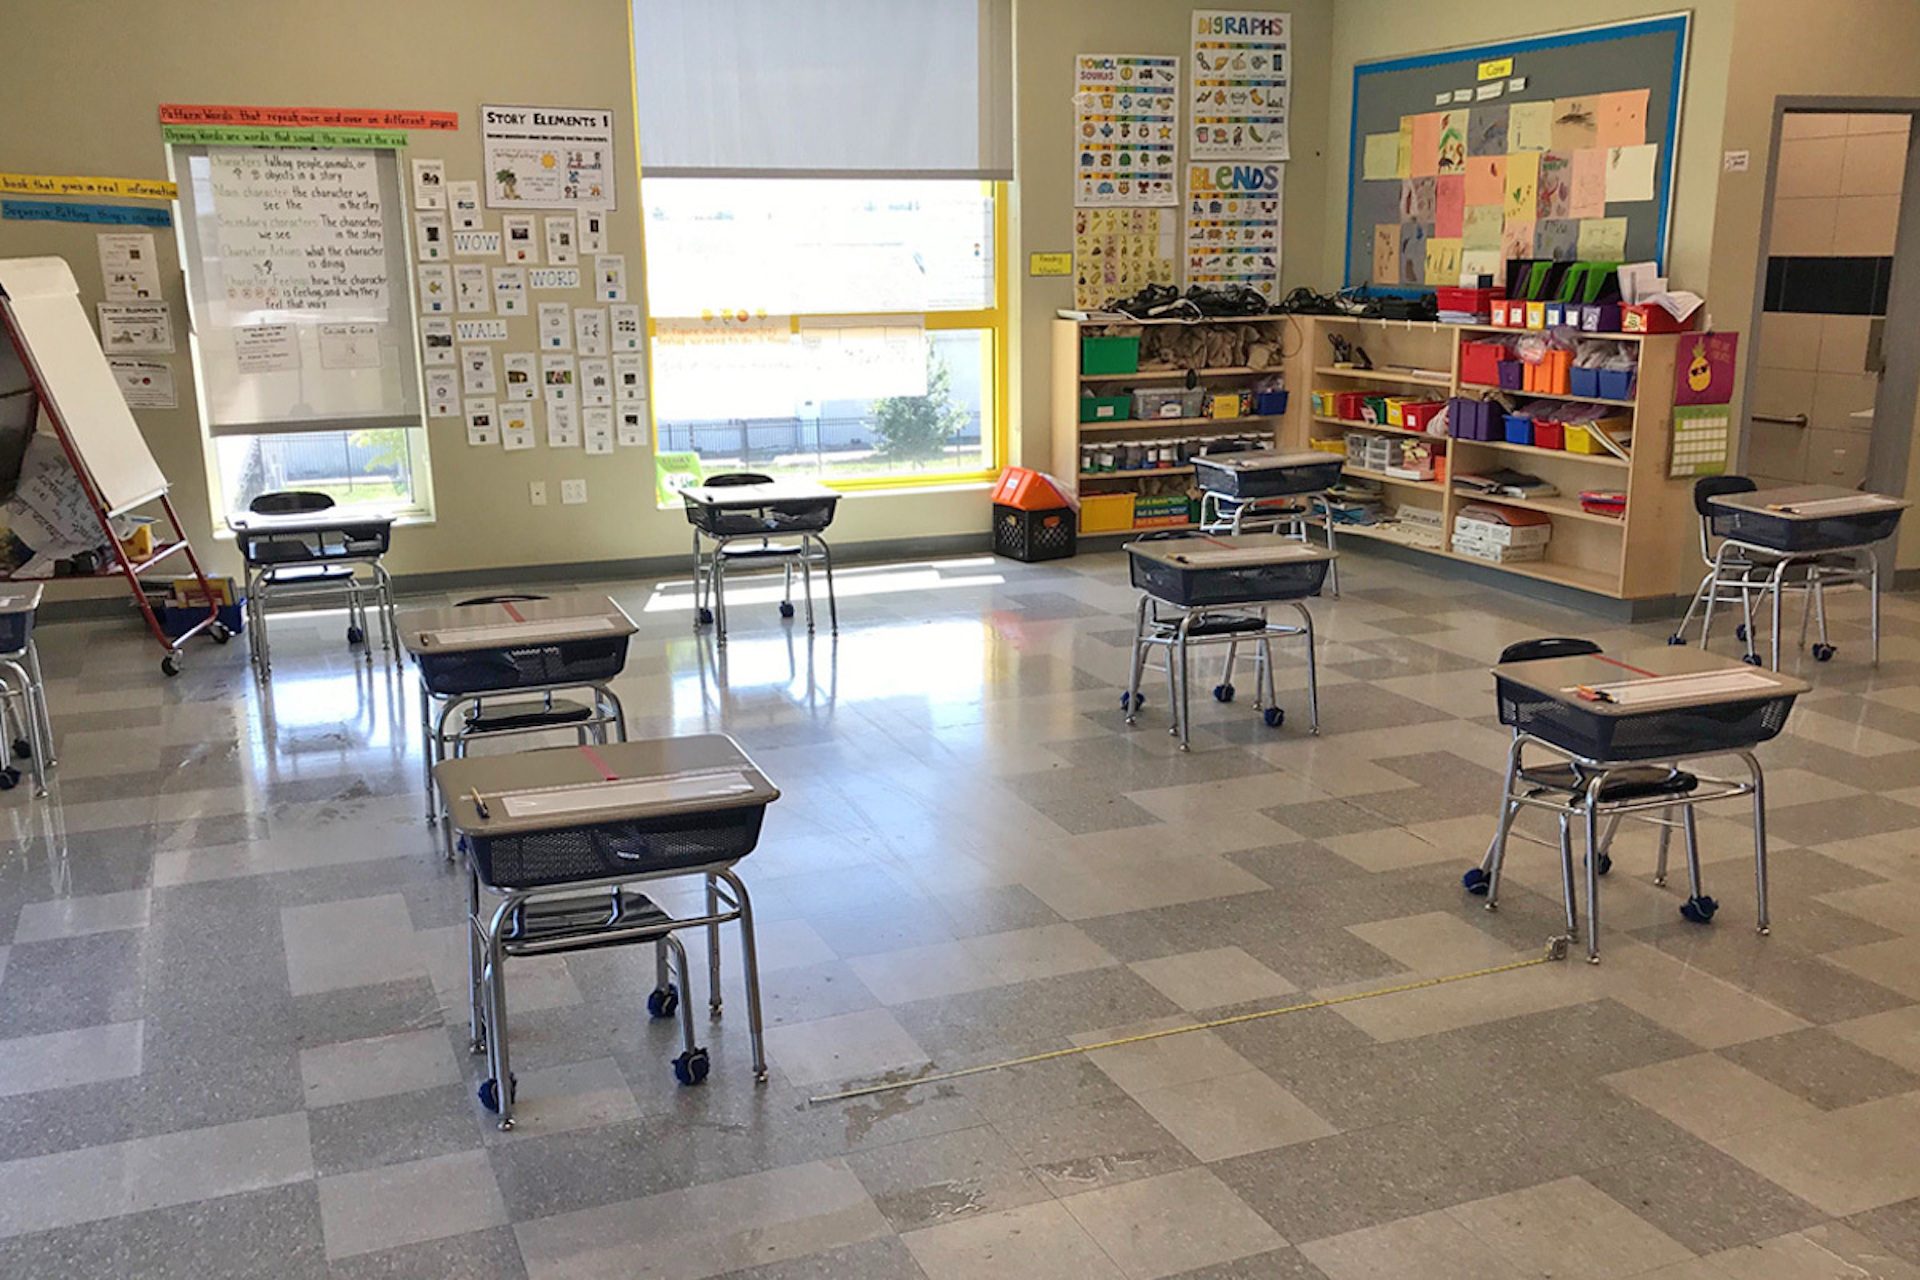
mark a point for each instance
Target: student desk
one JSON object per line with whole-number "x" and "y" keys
{"x": 24, "y": 726}
{"x": 1621, "y": 756}
{"x": 469, "y": 656}
{"x": 561, "y": 837}
{"x": 1826, "y": 531}
{"x": 313, "y": 554}
{"x": 759, "y": 521}
{"x": 1215, "y": 590}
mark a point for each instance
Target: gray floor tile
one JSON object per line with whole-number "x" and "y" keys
{"x": 1093, "y": 1145}
{"x": 395, "y": 1128}
{"x": 1896, "y": 1226}
{"x": 884, "y": 1259}
{"x": 257, "y": 1235}
{"x": 1704, "y": 1199}
{"x": 1822, "y": 1068}
{"x": 492, "y": 1253}
{"x": 945, "y": 1177}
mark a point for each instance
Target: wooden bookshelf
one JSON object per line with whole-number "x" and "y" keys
{"x": 1646, "y": 553}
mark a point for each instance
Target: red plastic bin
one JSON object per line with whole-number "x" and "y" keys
{"x": 1480, "y": 362}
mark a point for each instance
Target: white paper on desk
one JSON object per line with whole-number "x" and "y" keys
{"x": 1685, "y": 688}
{"x": 1846, "y": 505}
{"x": 1242, "y": 555}
{"x": 520, "y": 633}
{"x": 594, "y": 796}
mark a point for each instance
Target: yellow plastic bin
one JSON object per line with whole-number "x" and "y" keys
{"x": 1106, "y": 513}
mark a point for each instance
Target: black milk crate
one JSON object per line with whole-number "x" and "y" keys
{"x": 788, "y": 516}
{"x": 1190, "y": 586}
{"x": 1779, "y": 532}
{"x": 1034, "y": 535}
{"x": 591, "y": 660}
{"x": 17, "y": 628}
{"x": 604, "y": 851}
{"x": 1666, "y": 733}
{"x": 1216, "y": 476}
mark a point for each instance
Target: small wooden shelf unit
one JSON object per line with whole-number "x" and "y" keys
{"x": 1647, "y": 553}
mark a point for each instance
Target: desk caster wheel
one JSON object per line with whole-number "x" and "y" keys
{"x": 1751, "y": 659}
{"x": 1823, "y": 652}
{"x": 1698, "y": 910}
{"x": 1476, "y": 881}
{"x": 705, "y": 616}
{"x": 1740, "y": 633}
{"x": 1132, "y": 702}
{"x": 220, "y": 632}
{"x": 489, "y": 1093}
{"x": 355, "y": 635}
{"x": 22, "y": 749}
{"x": 1606, "y": 863}
{"x": 1274, "y": 716}
{"x": 663, "y": 1002}
{"x": 786, "y": 608}
{"x": 1223, "y": 693}
{"x": 690, "y": 1068}
{"x": 170, "y": 665}
{"x": 1676, "y": 639}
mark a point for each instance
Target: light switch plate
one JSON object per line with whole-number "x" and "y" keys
{"x": 537, "y": 492}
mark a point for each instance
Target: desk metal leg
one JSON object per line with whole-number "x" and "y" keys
{"x": 46, "y": 719}
{"x": 1592, "y": 819}
{"x": 1177, "y": 676}
{"x": 1873, "y": 601}
{"x": 717, "y": 590}
{"x": 476, "y": 968}
{"x": 699, "y": 584}
{"x": 1490, "y": 866}
{"x": 685, "y": 1067}
{"x": 750, "y": 973}
{"x": 429, "y": 750}
{"x": 1778, "y": 580}
{"x": 713, "y": 950}
{"x": 1715, "y": 578}
{"x": 497, "y": 1091}
{"x": 1666, "y": 839}
{"x": 1313, "y": 670}
{"x": 1130, "y": 701}
{"x": 1763, "y": 922}
{"x": 826, "y": 563}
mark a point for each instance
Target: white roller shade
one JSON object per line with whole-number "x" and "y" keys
{"x": 825, "y": 88}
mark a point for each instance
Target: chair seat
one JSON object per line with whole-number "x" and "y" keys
{"x": 504, "y": 716}
{"x": 1219, "y": 624}
{"x": 773, "y": 551}
{"x": 309, "y": 573}
{"x": 1640, "y": 783}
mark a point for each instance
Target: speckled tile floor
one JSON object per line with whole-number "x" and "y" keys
{"x": 232, "y": 1030}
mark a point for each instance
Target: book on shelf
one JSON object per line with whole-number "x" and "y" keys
{"x": 1504, "y": 482}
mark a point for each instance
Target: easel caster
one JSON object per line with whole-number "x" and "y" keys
{"x": 171, "y": 663}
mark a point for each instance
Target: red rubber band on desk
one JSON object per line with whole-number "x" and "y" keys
{"x": 593, "y": 758}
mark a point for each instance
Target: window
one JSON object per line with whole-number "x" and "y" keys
{"x": 844, "y": 328}
{"x": 301, "y": 296}
{"x": 823, "y": 235}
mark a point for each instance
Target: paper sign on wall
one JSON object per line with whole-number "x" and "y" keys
{"x": 127, "y": 266}
{"x": 443, "y": 393}
{"x": 429, "y": 184}
{"x": 590, "y": 331}
{"x": 548, "y": 157}
{"x": 629, "y": 331}
{"x": 477, "y": 244}
{"x": 351, "y": 346}
{"x": 1242, "y": 71}
{"x": 430, "y": 236}
{"x": 265, "y": 348}
{"x": 610, "y": 277}
{"x": 556, "y": 333}
{"x": 145, "y": 384}
{"x": 1233, "y": 226}
{"x": 135, "y": 327}
{"x": 436, "y": 289}
{"x": 598, "y": 426}
{"x": 516, "y": 426}
{"x": 563, "y": 425}
{"x": 554, "y": 277}
{"x": 436, "y": 340}
{"x": 563, "y": 241}
{"x": 483, "y": 421}
{"x": 520, "y": 244}
{"x": 522, "y": 375}
{"x": 596, "y": 382}
{"x": 463, "y": 202}
{"x": 476, "y": 371}
{"x": 1117, "y": 252}
{"x": 629, "y": 377}
{"x": 630, "y": 425}
{"x": 510, "y": 290}
{"x": 481, "y": 330}
{"x": 471, "y": 289}
{"x": 557, "y": 378}
{"x": 593, "y": 231}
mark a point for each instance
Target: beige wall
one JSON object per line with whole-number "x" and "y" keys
{"x": 1047, "y": 35}
{"x": 81, "y": 97}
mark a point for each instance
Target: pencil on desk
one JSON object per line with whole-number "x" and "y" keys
{"x": 480, "y": 804}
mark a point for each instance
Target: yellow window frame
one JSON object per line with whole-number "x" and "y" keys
{"x": 991, "y": 320}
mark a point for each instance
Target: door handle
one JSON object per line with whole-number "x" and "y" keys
{"x": 1796, "y": 420}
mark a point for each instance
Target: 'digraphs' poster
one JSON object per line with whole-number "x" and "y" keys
{"x": 548, "y": 157}
{"x": 1242, "y": 68}
{"x": 1126, "y": 124}
{"x": 1233, "y": 226}
{"x": 1118, "y": 252}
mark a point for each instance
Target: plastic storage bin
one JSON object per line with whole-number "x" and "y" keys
{"x": 1781, "y": 532}
{"x": 571, "y": 854}
{"x": 1190, "y": 586}
{"x": 590, "y": 660}
{"x": 1518, "y": 428}
{"x": 1271, "y": 402}
{"x": 1110, "y": 354}
{"x": 1614, "y": 384}
{"x": 1169, "y": 402}
{"x": 1106, "y": 513}
{"x": 1583, "y": 382}
{"x": 1267, "y": 475}
{"x": 1480, "y": 362}
{"x": 1105, "y": 408}
{"x": 1548, "y": 434}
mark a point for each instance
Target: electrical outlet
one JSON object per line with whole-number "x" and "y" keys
{"x": 537, "y": 492}
{"x": 573, "y": 492}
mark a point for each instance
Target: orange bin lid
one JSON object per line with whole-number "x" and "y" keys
{"x": 1027, "y": 490}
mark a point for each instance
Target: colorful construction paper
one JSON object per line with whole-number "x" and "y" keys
{"x": 1449, "y": 204}
{"x": 1587, "y": 194}
{"x": 1481, "y": 227}
{"x": 1386, "y": 253}
{"x": 1554, "y": 191}
{"x": 1602, "y": 239}
{"x": 1516, "y": 240}
{"x": 1443, "y": 261}
{"x": 1417, "y": 200}
{"x": 1481, "y": 262}
{"x": 1453, "y": 142}
{"x": 1426, "y": 145}
{"x": 1413, "y": 253}
{"x": 1381, "y": 158}
{"x": 1576, "y": 124}
{"x": 1556, "y": 238}
{"x": 1630, "y": 172}
{"x": 1522, "y": 187}
{"x": 1622, "y": 118}
{"x": 1403, "y": 155}
{"x": 1487, "y": 130}
{"x": 1486, "y": 180}
{"x": 1529, "y": 126}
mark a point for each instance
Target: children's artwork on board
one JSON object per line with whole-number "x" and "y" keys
{"x": 1413, "y": 253}
{"x": 1487, "y": 130}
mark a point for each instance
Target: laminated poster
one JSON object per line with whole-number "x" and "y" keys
{"x": 1233, "y": 226}
{"x": 548, "y": 157}
{"x": 1117, "y": 252}
{"x": 128, "y": 267}
{"x": 300, "y": 230}
{"x": 1126, "y": 125}
{"x": 145, "y": 384}
{"x": 1242, "y": 69}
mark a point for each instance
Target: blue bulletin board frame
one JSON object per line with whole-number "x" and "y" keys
{"x": 1678, "y": 25}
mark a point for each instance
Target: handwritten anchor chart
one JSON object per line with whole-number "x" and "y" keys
{"x": 1242, "y": 67}
{"x": 1126, "y": 128}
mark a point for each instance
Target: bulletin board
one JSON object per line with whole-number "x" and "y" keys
{"x": 1556, "y": 146}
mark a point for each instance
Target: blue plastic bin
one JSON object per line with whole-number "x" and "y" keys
{"x": 1519, "y": 428}
{"x": 1583, "y": 382}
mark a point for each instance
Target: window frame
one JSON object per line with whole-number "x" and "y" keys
{"x": 420, "y": 509}
{"x": 991, "y": 320}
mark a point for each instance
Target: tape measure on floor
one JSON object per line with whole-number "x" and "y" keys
{"x": 1556, "y": 949}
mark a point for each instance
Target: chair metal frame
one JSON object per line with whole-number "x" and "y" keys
{"x": 787, "y": 548}
{"x": 1179, "y": 630}
{"x": 328, "y": 577}
{"x": 23, "y": 696}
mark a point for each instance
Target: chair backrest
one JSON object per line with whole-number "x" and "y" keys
{"x": 1706, "y": 488}
{"x": 507, "y": 599}
{"x": 732, "y": 479}
{"x": 1548, "y": 647}
{"x": 290, "y": 502}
